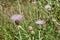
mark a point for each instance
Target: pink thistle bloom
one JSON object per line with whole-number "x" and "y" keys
{"x": 16, "y": 17}
{"x": 48, "y": 7}
{"x": 40, "y": 22}
{"x": 30, "y": 28}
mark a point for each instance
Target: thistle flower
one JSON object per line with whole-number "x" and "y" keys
{"x": 16, "y": 18}
{"x": 48, "y": 7}
{"x": 30, "y": 28}
{"x": 40, "y": 22}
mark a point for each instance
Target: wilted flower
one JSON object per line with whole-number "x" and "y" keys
{"x": 40, "y": 22}
{"x": 16, "y": 17}
{"x": 48, "y": 7}
{"x": 30, "y": 28}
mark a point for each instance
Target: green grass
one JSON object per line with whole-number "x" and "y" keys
{"x": 31, "y": 12}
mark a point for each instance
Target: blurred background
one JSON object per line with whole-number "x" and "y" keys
{"x": 31, "y": 10}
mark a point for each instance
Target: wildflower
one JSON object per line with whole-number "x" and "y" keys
{"x": 16, "y": 17}
{"x": 32, "y": 33}
{"x": 48, "y": 7}
{"x": 30, "y": 28}
{"x": 40, "y": 22}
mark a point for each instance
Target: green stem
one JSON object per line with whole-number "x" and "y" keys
{"x": 20, "y": 38}
{"x": 39, "y": 31}
{"x": 32, "y": 37}
{"x": 39, "y": 35}
{"x": 22, "y": 29}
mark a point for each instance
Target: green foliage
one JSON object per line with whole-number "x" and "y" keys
{"x": 31, "y": 12}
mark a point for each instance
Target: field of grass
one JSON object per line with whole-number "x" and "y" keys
{"x": 31, "y": 10}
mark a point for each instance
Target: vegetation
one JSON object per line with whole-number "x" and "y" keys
{"x": 28, "y": 29}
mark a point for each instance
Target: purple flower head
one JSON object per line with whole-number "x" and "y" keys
{"x": 16, "y": 17}
{"x": 48, "y": 7}
{"x": 40, "y": 22}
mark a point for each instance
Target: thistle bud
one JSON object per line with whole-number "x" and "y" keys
{"x": 30, "y": 28}
{"x": 32, "y": 33}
